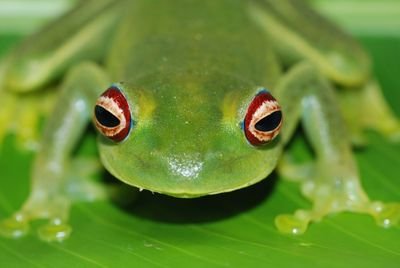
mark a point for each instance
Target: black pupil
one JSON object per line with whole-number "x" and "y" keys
{"x": 105, "y": 118}
{"x": 270, "y": 122}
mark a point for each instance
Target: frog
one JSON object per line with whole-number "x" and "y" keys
{"x": 193, "y": 98}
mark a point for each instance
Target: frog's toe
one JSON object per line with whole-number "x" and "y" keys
{"x": 339, "y": 198}
{"x": 386, "y": 214}
{"x": 295, "y": 224}
{"x": 18, "y": 226}
{"x": 55, "y": 230}
{"x": 40, "y": 207}
{"x": 14, "y": 227}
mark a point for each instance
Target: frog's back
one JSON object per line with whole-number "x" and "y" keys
{"x": 188, "y": 36}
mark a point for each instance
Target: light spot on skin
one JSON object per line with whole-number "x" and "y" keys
{"x": 187, "y": 166}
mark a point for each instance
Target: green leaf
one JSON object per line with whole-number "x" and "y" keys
{"x": 234, "y": 229}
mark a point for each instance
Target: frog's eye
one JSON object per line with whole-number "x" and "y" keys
{"x": 112, "y": 116}
{"x": 263, "y": 119}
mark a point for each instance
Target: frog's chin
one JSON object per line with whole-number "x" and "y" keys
{"x": 194, "y": 180}
{"x": 187, "y": 193}
{"x": 194, "y": 195}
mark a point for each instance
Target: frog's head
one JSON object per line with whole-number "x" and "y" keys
{"x": 188, "y": 139}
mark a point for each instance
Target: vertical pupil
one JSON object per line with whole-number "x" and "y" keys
{"x": 270, "y": 122}
{"x": 105, "y": 118}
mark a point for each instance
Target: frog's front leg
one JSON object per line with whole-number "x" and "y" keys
{"x": 20, "y": 114}
{"x": 334, "y": 184}
{"x": 82, "y": 34}
{"x": 49, "y": 197}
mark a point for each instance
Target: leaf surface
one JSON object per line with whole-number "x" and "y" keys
{"x": 229, "y": 230}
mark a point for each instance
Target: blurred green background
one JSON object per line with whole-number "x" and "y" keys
{"x": 359, "y": 16}
{"x": 230, "y": 230}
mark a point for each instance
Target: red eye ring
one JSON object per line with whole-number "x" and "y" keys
{"x": 263, "y": 119}
{"x": 112, "y": 115}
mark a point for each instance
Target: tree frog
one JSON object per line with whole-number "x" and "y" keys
{"x": 193, "y": 98}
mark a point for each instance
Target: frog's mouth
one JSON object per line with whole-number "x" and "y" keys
{"x": 192, "y": 175}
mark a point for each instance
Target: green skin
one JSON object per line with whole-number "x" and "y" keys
{"x": 189, "y": 70}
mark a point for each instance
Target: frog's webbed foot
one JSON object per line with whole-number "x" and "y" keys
{"x": 47, "y": 200}
{"x": 332, "y": 191}
{"x": 55, "y": 209}
{"x": 52, "y": 201}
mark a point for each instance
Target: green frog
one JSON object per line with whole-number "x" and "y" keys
{"x": 194, "y": 98}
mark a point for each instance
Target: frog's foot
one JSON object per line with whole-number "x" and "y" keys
{"x": 338, "y": 194}
{"x": 51, "y": 200}
{"x": 385, "y": 215}
{"x": 55, "y": 210}
{"x": 19, "y": 225}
